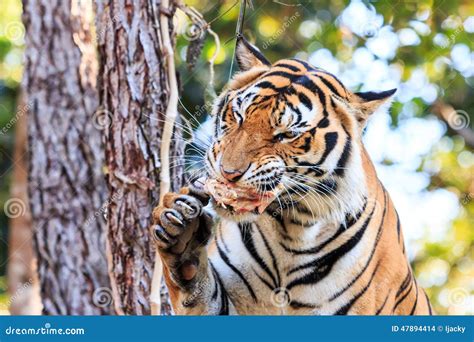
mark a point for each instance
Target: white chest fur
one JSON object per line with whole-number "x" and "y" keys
{"x": 267, "y": 271}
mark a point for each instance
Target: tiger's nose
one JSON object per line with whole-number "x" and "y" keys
{"x": 232, "y": 175}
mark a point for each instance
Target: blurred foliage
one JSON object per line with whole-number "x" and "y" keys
{"x": 289, "y": 28}
{"x": 3, "y": 296}
{"x": 11, "y": 47}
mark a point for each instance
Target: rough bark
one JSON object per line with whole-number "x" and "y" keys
{"x": 133, "y": 95}
{"x": 23, "y": 285}
{"x": 66, "y": 183}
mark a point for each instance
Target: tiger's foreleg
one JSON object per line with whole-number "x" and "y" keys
{"x": 181, "y": 230}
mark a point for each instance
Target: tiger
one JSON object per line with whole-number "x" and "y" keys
{"x": 330, "y": 243}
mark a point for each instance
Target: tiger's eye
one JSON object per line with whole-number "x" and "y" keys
{"x": 285, "y": 135}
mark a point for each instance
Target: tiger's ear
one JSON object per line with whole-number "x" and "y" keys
{"x": 366, "y": 103}
{"x": 248, "y": 55}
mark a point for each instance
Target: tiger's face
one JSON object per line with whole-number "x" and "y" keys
{"x": 288, "y": 127}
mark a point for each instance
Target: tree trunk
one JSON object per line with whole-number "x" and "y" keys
{"x": 66, "y": 183}
{"x": 134, "y": 95}
{"x": 23, "y": 286}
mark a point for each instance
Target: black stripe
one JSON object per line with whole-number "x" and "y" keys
{"x": 216, "y": 287}
{"x": 372, "y": 253}
{"x": 236, "y": 271}
{"x": 416, "y": 300}
{"x": 308, "y": 83}
{"x": 295, "y": 111}
{"x": 221, "y": 237}
{"x": 323, "y": 265}
{"x": 326, "y": 187}
{"x": 333, "y": 77}
{"x": 276, "y": 214}
{"x": 323, "y": 123}
{"x": 330, "y": 140}
{"x": 288, "y": 66}
{"x": 224, "y": 111}
{"x": 297, "y": 222}
{"x": 350, "y": 221}
{"x": 398, "y": 226}
{"x": 330, "y": 86}
{"x": 306, "y": 65}
{"x": 309, "y": 168}
{"x": 218, "y": 117}
{"x": 342, "y": 162}
{"x": 221, "y": 104}
{"x": 224, "y": 297}
{"x": 305, "y": 100}
{"x": 404, "y": 296}
{"x": 250, "y": 246}
{"x": 428, "y": 303}
{"x": 404, "y": 284}
{"x": 374, "y": 96}
{"x": 263, "y": 280}
{"x": 300, "y": 305}
{"x": 303, "y": 209}
{"x": 274, "y": 261}
{"x": 291, "y": 77}
{"x": 268, "y": 85}
{"x": 379, "y": 310}
{"x": 253, "y": 51}
{"x": 306, "y": 144}
{"x": 345, "y": 309}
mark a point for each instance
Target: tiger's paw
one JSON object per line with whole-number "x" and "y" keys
{"x": 181, "y": 231}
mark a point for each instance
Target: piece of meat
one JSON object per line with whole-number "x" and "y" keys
{"x": 240, "y": 199}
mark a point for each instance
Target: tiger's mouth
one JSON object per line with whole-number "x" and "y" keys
{"x": 240, "y": 200}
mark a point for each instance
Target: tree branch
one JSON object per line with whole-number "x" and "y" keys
{"x": 170, "y": 118}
